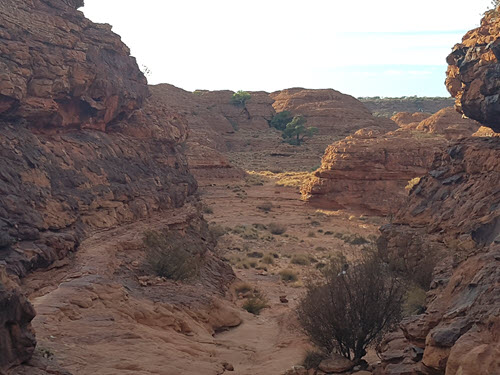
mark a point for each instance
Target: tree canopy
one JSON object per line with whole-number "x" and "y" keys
{"x": 296, "y": 132}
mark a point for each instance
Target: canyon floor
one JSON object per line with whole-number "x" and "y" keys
{"x": 97, "y": 313}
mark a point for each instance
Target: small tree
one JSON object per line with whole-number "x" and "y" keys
{"x": 240, "y": 98}
{"x": 280, "y": 120}
{"x": 296, "y": 132}
{"x": 351, "y": 306}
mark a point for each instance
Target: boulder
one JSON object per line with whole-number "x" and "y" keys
{"x": 336, "y": 364}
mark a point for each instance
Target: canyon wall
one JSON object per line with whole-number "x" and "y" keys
{"x": 369, "y": 170}
{"x": 83, "y": 147}
{"x": 452, "y": 222}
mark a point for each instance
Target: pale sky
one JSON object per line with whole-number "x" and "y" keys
{"x": 362, "y": 48}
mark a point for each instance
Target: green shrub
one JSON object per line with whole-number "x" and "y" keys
{"x": 295, "y": 132}
{"x": 288, "y": 275}
{"x": 170, "y": 255}
{"x": 281, "y": 119}
{"x": 256, "y": 303}
{"x": 240, "y": 98}
{"x": 276, "y": 228}
{"x": 300, "y": 259}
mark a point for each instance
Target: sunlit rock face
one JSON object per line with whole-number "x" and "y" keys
{"x": 473, "y": 75}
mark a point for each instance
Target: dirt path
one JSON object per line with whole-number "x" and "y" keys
{"x": 95, "y": 316}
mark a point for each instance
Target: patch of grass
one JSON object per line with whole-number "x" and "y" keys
{"x": 216, "y": 230}
{"x": 243, "y": 288}
{"x": 276, "y": 228}
{"x": 300, "y": 259}
{"x": 414, "y": 301}
{"x": 268, "y": 259}
{"x": 254, "y": 180}
{"x": 288, "y": 275}
{"x": 256, "y": 303}
{"x": 252, "y": 263}
{"x": 311, "y": 234}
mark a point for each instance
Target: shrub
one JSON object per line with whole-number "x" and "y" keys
{"x": 351, "y": 306}
{"x": 240, "y": 98}
{"x": 216, "y": 231}
{"x": 170, "y": 255}
{"x": 266, "y": 206}
{"x": 414, "y": 301}
{"x": 313, "y": 358}
{"x": 281, "y": 119}
{"x": 256, "y": 303}
{"x": 268, "y": 259}
{"x": 243, "y": 288}
{"x": 255, "y": 254}
{"x": 300, "y": 259}
{"x": 288, "y": 275}
{"x": 311, "y": 234}
{"x": 276, "y": 228}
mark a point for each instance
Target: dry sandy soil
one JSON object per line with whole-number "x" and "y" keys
{"x": 98, "y": 314}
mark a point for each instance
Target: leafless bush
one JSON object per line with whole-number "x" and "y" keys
{"x": 351, "y": 306}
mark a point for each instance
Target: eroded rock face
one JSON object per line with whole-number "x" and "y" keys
{"x": 332, "y": 112}
{"x": 17, "y": 339}
{"x": 473, "y": 75}
{"x": 60, "y": 70}
{"x": 369, "y": 171}
{"x": 453, "y": 218}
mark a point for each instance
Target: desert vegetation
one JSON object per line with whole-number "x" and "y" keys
{"x": 240, "y": 98}
{"x": 351, "y": 306}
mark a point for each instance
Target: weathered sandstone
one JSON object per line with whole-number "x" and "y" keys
{"x": 472, "y": 75}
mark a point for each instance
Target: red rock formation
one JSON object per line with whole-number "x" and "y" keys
{"x": 333, "y": 113}
{"x": 408, "y": 104}
{"x": 369, "y": 172}
{"x": 449, "y": 123}
{"x": 409, "y": 119}
{"x": 60, "y": 70}
{"x": 472, "y": 76}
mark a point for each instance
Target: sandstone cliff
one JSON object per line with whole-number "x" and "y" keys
{"x": 452, "y": 222}
{"x": 82, "y": 149}
{"x": 369, "y": 170}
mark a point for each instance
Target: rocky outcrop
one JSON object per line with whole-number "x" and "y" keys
{"x": 333, "y": 113}
{"x": 451, "y": 223}
{"x": 17, "y": 339}
{"x": 368, "y": 171}
{"x": 60, "y": 70}
{"x": 473, "y": 72}
{"x": 409, "y": 119}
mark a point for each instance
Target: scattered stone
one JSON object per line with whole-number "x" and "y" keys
{"x": 336, "y": 364}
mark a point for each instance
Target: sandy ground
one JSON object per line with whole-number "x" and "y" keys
{"x": 95, "y": 316}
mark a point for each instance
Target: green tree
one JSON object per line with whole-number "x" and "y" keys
{"x": 296, "y": 132}
{"x": 240, "y": 98}
{"x": 280, "y": 120}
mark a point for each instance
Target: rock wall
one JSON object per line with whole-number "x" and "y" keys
{"x": 389, "y": 107}
{"x": 369, "y": 170}
{"x": 452, "y": 219}
{"x": 82, "y": 147}
{"x": 473, "y": 75}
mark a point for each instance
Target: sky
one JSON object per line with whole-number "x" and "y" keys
{"x": 387, "y": 48}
